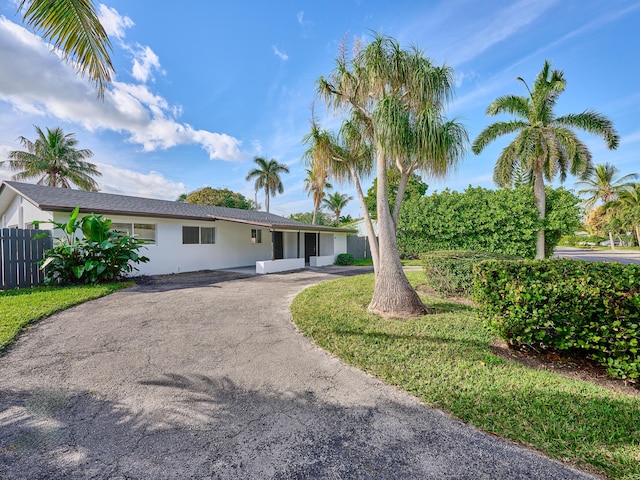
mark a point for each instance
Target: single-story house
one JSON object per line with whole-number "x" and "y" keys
{"x": 183, "y": 237}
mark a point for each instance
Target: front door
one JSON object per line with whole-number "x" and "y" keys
{"x": 309, "y": 246}
{"x": 278, "y": 246}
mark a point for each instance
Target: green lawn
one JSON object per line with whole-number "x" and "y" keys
{"x": 445, "y": 360}
{"x": 19, "y": 308}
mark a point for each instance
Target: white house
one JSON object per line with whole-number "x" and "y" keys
{"x": 182, "y": 237}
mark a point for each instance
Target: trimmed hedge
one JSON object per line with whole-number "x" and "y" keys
{"x": 345, "y": 259}
{"x": 450, "y": 272}
{"x": 568, "y": 305}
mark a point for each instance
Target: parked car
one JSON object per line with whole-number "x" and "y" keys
{"x": 616, "y": 243}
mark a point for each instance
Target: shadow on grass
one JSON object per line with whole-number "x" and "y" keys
{"x": 194, "y": 426}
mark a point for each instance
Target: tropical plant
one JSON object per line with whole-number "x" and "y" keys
{"x": 630, "y": 201}
{"x": 315, "y": 185}
{"x": 99, "y": 255}
{"x": 546, "y": 145}
{"x": 220, "y": 197}
{"x": 395, "y": 101}
{"x": 54, "y": 158}
{"x": 336, "y": 203}
{"x": 267, "y": 176}
{"x": 74, "y": 29}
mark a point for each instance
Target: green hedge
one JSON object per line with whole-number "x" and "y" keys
{"x": 345, "y": 259}
{"x": 568, "y": 305}
{"x": 450, "y": 272}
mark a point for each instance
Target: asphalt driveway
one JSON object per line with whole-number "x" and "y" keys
{"x": 203, "y": 375}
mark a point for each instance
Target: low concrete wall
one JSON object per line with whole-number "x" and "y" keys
{"x": 322, "y": 261}
{"x": 273, "y": 266}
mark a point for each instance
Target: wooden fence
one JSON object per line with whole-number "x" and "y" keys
{"x": 19, "y": 257}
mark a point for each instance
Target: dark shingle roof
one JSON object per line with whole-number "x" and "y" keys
{"x": 65, "y": 199}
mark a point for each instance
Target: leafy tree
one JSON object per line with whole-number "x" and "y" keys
{"x": 321, "y": 218}
{"x": 182, "y": 198}
{"x": 315, "y": 185}
{"x": 74, "y": 29}
{"x": 546, "y": 145}
{"x": 54, "y": 158}
{"x": 415, "y": 187}
{"x": 502, "y": 221}
{"x": 336, "y": 203}
{"x": 267, "y": 176}
{"x": 220, "y": 197}
{"x": 395, "y": 101}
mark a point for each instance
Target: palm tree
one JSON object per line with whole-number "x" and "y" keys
{"x": 546, "y": 145}
{"x": 54, "y": 158}
{"x": 267, "y": 176}
{"x": 602, "y": 185}
{"x": 315, "y": 184}
{"x": 336, "y": 203}
{"x": 396, "y": 98}
{"x": 73, "y": 28}
{"x": 630, "y": 202}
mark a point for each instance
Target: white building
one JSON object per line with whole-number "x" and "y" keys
{"x": 183, "y": 237}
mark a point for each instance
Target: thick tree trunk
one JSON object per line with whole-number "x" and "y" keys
{"x": 540, "y": 199}
{"x": 393, "y": 295}
{"x": 611, "y": 241}
{"x": 402, "y": 187}
{"x": 638, "y": 234}
{"x": 371, "y": 233}
{"x": 266, "y": 199}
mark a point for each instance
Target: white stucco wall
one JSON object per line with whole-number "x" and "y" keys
{"x": 339, "y": 243}
{"x": 21, "y": 212}
{"x": 326, "y": 244}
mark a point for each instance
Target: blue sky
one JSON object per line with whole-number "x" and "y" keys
{"x": 202, "y": 89}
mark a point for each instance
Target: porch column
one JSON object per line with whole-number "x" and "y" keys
{"x": 298, "y": 255}
{"x": 273, "y": 242}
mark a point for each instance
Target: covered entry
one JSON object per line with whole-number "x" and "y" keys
{"x": 310, "y": 245}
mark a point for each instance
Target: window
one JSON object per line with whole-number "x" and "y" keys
{"x": 256, "y": 235}
{"x": 190, "y": 235}
{"x": 196, "y": 235}
{"x": 207, "y": 235}
{"x": 142, "y": 231}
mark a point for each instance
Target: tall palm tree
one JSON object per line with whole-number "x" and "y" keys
{"x": 267, "y": 177}
{"x": 546, "y": 145}
{"x": 74, "y": 29}
{"x": 315, "y": 184}
{"x": 603, "y": 185}
{"x": 55, "y": 159}
{"x": 336, "y": 203}
{"x": 630, "y": 202}
{"x": 399, "y": 98}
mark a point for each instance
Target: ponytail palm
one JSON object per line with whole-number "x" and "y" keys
{"x": 54, "y": 158}
{"x": 545, "y": 144}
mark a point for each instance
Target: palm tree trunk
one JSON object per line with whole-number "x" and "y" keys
{"x": 393, "y": 295}
{"x": 540, "y": 199}
{"x": 371, "y": 233}
{"x": 266, "y": 198}
{"x": 611, "y": 241}
{"x": 402, "y": 187}
{"x": 638, "y": 234}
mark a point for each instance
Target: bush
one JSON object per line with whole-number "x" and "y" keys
{"x": 101, "y": 255}
{"x": 450, "y": 272}
{"x": 567, "y": 305}
{"x": 345, "y": 259}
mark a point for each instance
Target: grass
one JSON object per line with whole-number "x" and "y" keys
{"x": 445, "y": 360}
{"x": 20, "y": 308}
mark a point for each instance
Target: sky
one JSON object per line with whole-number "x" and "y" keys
{"x": 203, "y": 88}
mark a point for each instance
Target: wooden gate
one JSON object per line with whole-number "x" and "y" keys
{"x": 19, "y": 257}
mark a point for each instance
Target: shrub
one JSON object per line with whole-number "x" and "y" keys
{"x": 345, "y": 259}
{"x": 450, "y": 272}
{"x": 568, "y": 305}
{"x": 101, "y": 255}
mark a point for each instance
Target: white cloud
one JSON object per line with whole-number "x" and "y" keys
{"x": 282, "y": 55}
{"x": 128, "y": 182}
{"x": 114, "y": 23}
{"x": 300, "y": 17}
{"x": 34, "y": 81}
{"x": 144, "y": 63}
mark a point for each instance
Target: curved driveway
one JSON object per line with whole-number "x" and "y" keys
{"x": 203, "y": 376}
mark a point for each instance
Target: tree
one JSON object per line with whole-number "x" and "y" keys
{"x": 602, "y": 185}
{"x": 315, "y": 185}
{"x": 628, "y": 206}
{"x": 336, "y": 203}
{"x": 415, "y": 188}
{"x": 74, "y": 29}
{"x": 267, "y": 177}
{"x": 54, "y": 157}
{"x": 546, "y": 145}
{"x": 395, "y": 99}
{"x": 220, "y": 197}
{"x": 322, "y": 218}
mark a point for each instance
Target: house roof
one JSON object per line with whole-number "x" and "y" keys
{"x": 65, "y": 200}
